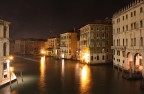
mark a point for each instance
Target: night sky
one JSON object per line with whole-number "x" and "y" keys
{"x": 43, "y": 18}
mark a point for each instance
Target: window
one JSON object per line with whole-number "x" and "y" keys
{"x": 107, "y": 50}
{"x": 123, "y": 42}
{"x": 141, "y": 9}
{"x": 131, "y": 41}
{"x": 141, "y": 24}
{"x": 126, "y": 16}
{"x": 69, "y": 37}
{"x": 5, "y": 76}
{"x": 107, "y": 34}
{"x": 141, "y": 41}
{"x": 131, "y": 26}
{"x": 97, "y": 57}
{"x": 4, "y": 49}
{"x": 123, "y": 17}
{"x": 134, "y": 24}
{"x": 103, "y": 57}
{"x": 134, "y": 13}
{"x": 117, "y": 20}
{"x": 126, "y": 27}
{"x": 92, "y": 58}
{"x": 4, "y": 66}
{"x": 4, "y": 32}
{"x": 118, "y": 53}
{"x": 123, "y": 52}
{"x": 126, "y": 42}
{"x": 119, "y": 42}
{"x": 134, "y": 41}
{"x": 123, "y": 29}
{"x": 131, "y": 14}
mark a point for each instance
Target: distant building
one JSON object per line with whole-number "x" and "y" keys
{"x": 5, "y": 69}
{"x": 53, "y": 48}
{"x": 68, "y": 45}
{"x": 128, "y": 37}
{"x": 78, "y": 51}
{"x": 96, "y": 42}
{"x": 29, "y": 46}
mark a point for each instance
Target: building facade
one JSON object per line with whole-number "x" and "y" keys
{"x": 29, "y": 46}
{"x": 128, "y": 37}
{"x": 5, "y": 69}
{"x": 68, "y": 45}
{"x": 53, "y": 47}
{"x": 96, "y": 42}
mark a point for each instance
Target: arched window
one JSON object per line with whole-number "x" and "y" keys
{"x": 4, "y": 49}
{"x": 4, "y": 33}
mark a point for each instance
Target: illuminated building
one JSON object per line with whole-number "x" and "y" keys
{"x": 68, "y": 44}
{"x": 96, "y": 42}
{"x": 6, "y": 73}
{"x": 53, "y": 48}
{"x": 128, "y": 36}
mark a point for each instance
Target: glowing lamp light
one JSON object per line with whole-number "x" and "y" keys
{"x": 140, "y": 68}
{"x": 11, "y": 69}
{"x": 62, "y": 55}
{"x": 42, "y": 51}
{"x": 11, "y": 57}
{"x": 86, "y": 57}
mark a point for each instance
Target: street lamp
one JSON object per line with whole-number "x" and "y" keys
{"x": 43, "y": 52}
{"x": 11, "y": 57}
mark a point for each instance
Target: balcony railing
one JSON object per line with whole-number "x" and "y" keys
{"x": 119, "y": 47}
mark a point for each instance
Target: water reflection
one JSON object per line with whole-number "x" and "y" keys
{"x": 63, "y": 66}
{"x": 85, "y": 79}
{"x": 42, "y": 73}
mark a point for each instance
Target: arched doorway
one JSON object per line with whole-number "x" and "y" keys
{"x": 4, "y": 49}
{"x": 129, "y": 60}
{"x": 138, "y": 62}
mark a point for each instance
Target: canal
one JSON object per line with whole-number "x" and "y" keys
{"x": 67, "y": 77}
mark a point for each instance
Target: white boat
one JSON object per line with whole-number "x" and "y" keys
{"x": 8, "y": 79}
{"x": 7, "y": 74}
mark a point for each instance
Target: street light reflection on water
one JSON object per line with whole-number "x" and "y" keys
{"x": 62, "y": 68}
{"x": 85, "y": 79}
{"x": 42, "y": 73}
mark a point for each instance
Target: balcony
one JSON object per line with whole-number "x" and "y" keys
{"x": 123, "y": 48}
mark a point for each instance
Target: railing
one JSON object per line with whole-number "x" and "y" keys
{"x": 119, "y": 47}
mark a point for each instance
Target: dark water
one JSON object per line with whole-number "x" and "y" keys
{"x": 68, "y": 77}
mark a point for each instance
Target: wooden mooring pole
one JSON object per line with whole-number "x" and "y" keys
{"x": 16, "y": 79}
{"x": 10, "y": 80}
{"x": 21, "y": 76}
